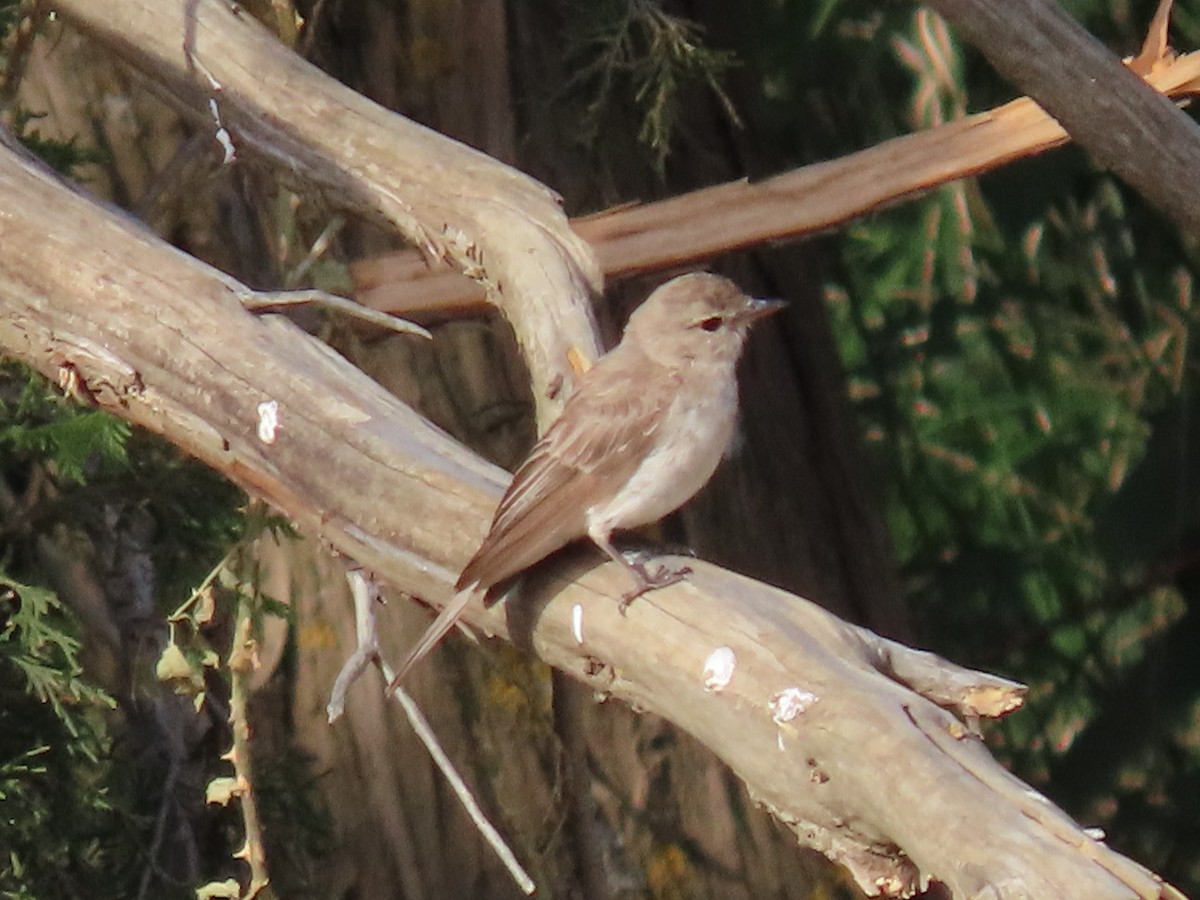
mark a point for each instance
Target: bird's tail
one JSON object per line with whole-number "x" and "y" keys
{"x": 438, "y": 629}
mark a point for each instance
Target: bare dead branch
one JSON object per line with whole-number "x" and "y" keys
{"x": 1126, "y": 127}
{"x": 366, "y": 594}
{"x": 693, "y": 227}
{"x": 861, "y": 767}
{"x": 499, "y": 226}
{"x": 267, "y": 300}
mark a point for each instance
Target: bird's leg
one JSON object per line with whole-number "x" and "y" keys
{"x": 661, "y": 577}
{"x": 644, "y": 580}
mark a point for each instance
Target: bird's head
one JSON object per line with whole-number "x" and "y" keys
{"x": 695, "y": 316}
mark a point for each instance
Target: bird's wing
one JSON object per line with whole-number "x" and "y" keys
{"x": 604, "y": 432}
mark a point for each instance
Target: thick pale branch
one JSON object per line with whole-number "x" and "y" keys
{"x": 859, "y": 765}
{"x": 95, "y": 301}
{"x": 483, "y": 217}
{"x": 694, "y": 227}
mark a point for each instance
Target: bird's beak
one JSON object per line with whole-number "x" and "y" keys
{"x": 759, "y": 309}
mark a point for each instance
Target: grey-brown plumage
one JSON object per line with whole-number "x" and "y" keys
{"x": 643, "y": 433}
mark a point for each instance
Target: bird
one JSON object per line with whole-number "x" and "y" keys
{"x": 644, "y": 431}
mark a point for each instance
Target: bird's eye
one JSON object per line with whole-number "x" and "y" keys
{"x": 712, "y": 323}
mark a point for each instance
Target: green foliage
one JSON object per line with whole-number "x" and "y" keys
{"x": 825, "y": 78}
{"x": 36, "y": 642}
{"x": 1012, "y": 345}
{"x": 8, "y": 15}
{"x": 634, "y": 53}
{"x": 36, "y": 424}
{"x": 62, "y": 156}
{"x": 58, "y": 830}
{"x": 81, "y": 807}
{"x": 1010, "y": 386}
{"x": 81, "y": 457}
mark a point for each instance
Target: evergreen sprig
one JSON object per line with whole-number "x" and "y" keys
{"x": 633, "y": 52}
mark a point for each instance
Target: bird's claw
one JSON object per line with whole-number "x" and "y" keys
{"x": 663, "y": 576}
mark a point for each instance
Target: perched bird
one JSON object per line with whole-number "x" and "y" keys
{"x": 644, "y": 431}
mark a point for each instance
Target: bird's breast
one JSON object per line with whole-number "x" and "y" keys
{"x": 688, "y": 445}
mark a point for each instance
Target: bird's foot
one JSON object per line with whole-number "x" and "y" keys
{"x": 647, "y": 581}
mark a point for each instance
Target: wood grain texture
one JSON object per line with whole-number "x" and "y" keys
{"x": 454, "y": 203}
{"x": 871, "y": 773}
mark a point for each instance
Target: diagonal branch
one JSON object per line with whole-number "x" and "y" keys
{"x": 1108, "y": 110}
{"x": 849, "y": 739}
{"x": 456, "y": 204}
{"x": 820, "y": 718}
{"x": 694, "y": 227}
